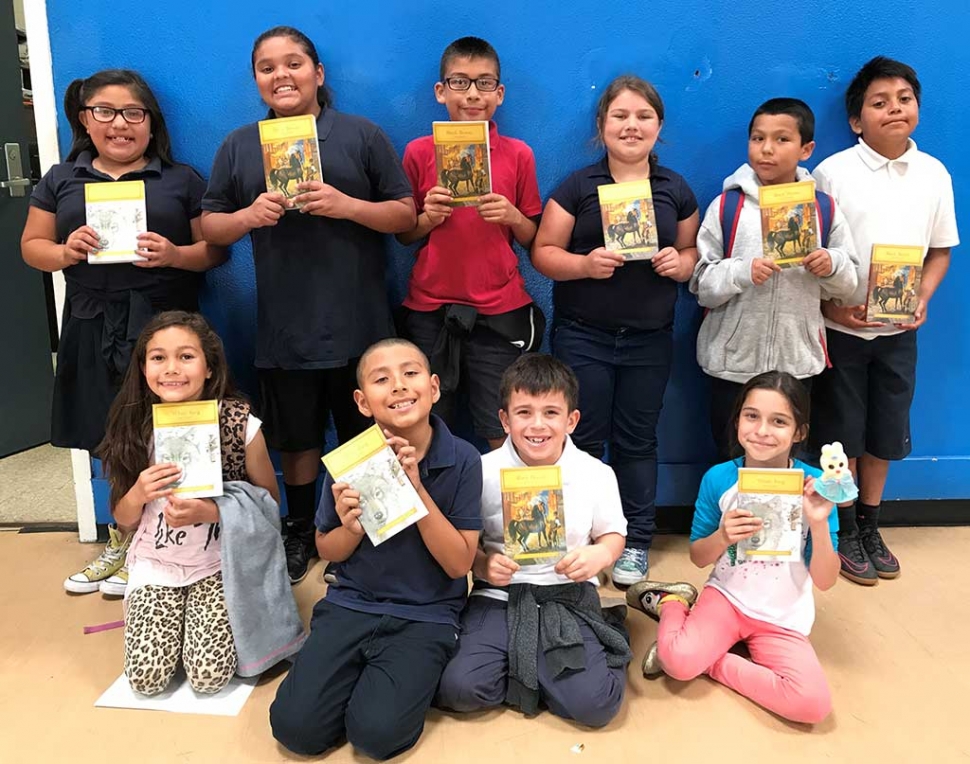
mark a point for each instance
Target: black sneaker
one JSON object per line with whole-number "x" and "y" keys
{"x": 300, "y": 549}
{"x": 883, "y": 561}
{"x": 856, "y": 565}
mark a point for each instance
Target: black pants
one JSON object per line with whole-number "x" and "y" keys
{"x": 361, "y": 677}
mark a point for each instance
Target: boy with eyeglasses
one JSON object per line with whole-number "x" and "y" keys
{"x": 467, "y": 307}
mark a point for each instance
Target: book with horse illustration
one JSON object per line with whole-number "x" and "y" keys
{"x": 187, "y": 434}
{"x": 894, "y": 278}
{"x": 629, "y": 221}
{"x": 533, "y": 515}
{"x": 291, "y": 152}
{"x": 462, "y": 162}
{"x": 389, "y": 502}
{"x": 774, "y": 495}
{"x": 789, "y": 222}
{"x": 116, "y": 211}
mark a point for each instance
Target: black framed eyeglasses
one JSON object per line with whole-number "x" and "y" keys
{"x": 483, "y": 84}
{"x": 134, "y": 115}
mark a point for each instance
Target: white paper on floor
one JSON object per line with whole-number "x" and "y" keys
{"x": 180, "y": 698}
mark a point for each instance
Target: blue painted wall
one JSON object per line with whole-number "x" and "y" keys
{"x": 713, "y": 62}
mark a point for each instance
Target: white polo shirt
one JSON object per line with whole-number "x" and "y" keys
{"x": 590, "y": 496}
{"x": 905, "y": 201}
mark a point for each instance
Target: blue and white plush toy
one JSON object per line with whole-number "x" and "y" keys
{"x": 836, "y": 483}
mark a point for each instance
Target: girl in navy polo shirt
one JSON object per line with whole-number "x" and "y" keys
{"x": 321, "y": 296}
{"x": 119, "y": 134}
{"x": 614, "y": 319}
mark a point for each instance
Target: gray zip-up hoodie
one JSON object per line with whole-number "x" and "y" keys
{"x": 773, "y": 327}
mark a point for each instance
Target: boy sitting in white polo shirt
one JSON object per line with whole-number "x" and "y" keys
{"x": 892, "y": 194}
{"x": 537, "y": 633}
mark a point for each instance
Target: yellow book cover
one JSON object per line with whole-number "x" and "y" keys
{"x": 789, "y": 222}
{"x": 629, "y": 221}
{"x": 894, "y": 278}
{"x": 461, "y": 155}
{"x": 389, "y": 503}
{"x": 187, "y": 434}
{"x": 774, "y": 495}
{"x": 533, "y": 513}
{"x": 116, "y": 211}
{"x": 291, "y": 152}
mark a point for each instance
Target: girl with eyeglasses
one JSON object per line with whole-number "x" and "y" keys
{"x": 319, "y": 257}
{"x": 119, "y": 134}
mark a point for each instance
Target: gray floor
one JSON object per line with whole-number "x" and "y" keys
{"x": 37, "y": 486}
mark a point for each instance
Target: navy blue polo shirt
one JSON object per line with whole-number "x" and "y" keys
{"x": 173, "y": 197}
{"x": 320, "y": 291}
{"x": 400, "y": 577}
{"x": 635, "y": 296}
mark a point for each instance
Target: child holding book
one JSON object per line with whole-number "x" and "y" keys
{"x": 175, "y": 604}
{"x": 381, "y": 637}
{"x": 762, "y": 317}
{"x": 466, "y": 306}
{"x": 892, "y": 194}
{"x": 321, "y": 296}
{"x": 496, "y": 663}
{"x": 767, "y": 605}
{"x": 118, "y": 134}
{"x": 614, "y": 319}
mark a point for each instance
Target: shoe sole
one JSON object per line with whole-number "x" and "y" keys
{"x": 637, "y": 590}
{"x": 859, "y": 580}
{"x": 885, "y": 574}
{"x": 295, "y": 581}
{"x": 654, "y": 671}
{"x": 77, "y": 587}
{"x": 113, "y": 590}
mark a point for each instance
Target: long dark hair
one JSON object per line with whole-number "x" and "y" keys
{"x": 324, "y": 97}
{"x": 79, "y": 92}
{"x": 790, "y": 389}
{"x": 636, "y": 85}
{"x": 128, "y": 434}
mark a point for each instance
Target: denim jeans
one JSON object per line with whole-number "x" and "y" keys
{"x": 622, "y": 375}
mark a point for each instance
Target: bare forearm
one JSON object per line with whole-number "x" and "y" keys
{"x": 44, "y": 255}
{"x": 337, "y": 545}
{"x": 524, "y": 230}
{"x": 127, "y": 512}
{"x": 688, "y": 259}
{"x": 613, "y": 543}
{"x": 423, "y": 227}
{"x": 824, "y": 567}
{"x": 558, "y": 264}
{"x": 935, "y": 266}
{"x": 394, "y": 216}
{"x": 706, "y": 551}
{"x": 224, "y": 228}
{"x": 446, "y": 544}
{"x": 480, "y": 565}
{"x": 200, "y": 256}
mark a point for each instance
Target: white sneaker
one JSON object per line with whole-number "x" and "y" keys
{"x": 115, "y": 586}
{"x": 109, "y": 562}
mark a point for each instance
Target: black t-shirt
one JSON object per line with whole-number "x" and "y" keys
{"x": 635, "y": 297}
{"x": 320, "y": 283}
{"x": 173, "y": 197}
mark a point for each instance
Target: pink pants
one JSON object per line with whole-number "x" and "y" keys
{"x": 783, "y": 675}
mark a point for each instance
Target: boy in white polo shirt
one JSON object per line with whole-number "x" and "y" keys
{"x": 891, "y": 193}
{"x": 536, "y": 634}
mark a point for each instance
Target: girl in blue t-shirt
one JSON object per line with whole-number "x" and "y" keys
{"x": 765, "y": 603}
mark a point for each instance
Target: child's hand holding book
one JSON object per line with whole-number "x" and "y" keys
{"x": 181, "y": 512}
{"x": 762, "y": 268}
{"x": 347, "y": 503}
{"x": 739, "y": 524}
{"x": 583, "y": 563}
{"x": 499, "y": 569}
{"x": 438, "y": 205}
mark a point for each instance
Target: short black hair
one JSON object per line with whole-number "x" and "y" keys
{"x": 538, "y": 374}
{"x": 878, "y": 68}
{"x": 387, "y": 343}
{"x": 469, "y": 47}
{"x": 793, "y": 107}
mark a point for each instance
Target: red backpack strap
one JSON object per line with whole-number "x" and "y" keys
{"x": 732, "y": 201}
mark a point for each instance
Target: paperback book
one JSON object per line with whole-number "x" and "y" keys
{"x": 389, "y": 502}
{"x": 789, "y": 222}
{"x": 461, "y": 155}
{"x": 774, "y": 495}
{"x": 187, "y": 434}
{"x": 629, "y": 221}
{"x": 894, "y": 278}
{"x": 291, "y": 153}
{"x": 116, "y": 211}
{"x": 533, "y": 514}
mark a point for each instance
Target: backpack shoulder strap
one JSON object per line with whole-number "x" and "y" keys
{"x": 732, "y": 201}
{"x": 825, "y": 207}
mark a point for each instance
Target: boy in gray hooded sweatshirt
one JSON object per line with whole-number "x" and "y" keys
{"x": 762, "y": 317}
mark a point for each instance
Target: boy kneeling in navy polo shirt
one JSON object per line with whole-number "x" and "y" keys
{"x": 380, "y": 639}
{"x": 536, "y": 634}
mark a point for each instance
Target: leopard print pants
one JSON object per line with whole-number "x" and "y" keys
{"x": 162, "y": 623}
